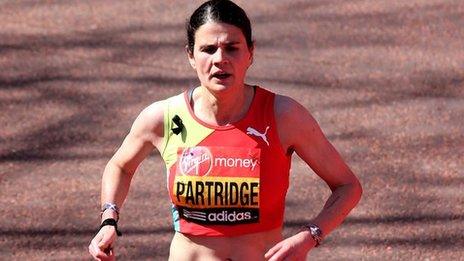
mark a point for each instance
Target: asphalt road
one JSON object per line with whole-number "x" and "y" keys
{"x": 385, "y": 80}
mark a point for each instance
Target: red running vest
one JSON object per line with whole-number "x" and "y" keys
{"x": 225, "y": 180}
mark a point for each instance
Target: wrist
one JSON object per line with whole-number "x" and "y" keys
{"x": 109, "y": 210}
{"x": 111, "y": 222}
{"x": 314, "y": 232}
{"x": 109, "y": 214}
{"x": 308, "y": 240}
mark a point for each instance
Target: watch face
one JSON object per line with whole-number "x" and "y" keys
{"x": 110, "y": 206}
{"x": 315, "y": 230}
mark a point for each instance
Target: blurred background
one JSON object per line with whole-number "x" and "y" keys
{"x": 385, "y": 80}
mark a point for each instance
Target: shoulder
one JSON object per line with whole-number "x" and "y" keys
{"x": 149, "y": 124}
{"x": 152, "y": 114}
{"x": 294, "y": 121}
{"x": 288, "y": 110}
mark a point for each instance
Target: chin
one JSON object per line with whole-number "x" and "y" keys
{"x": 219, "y": 87}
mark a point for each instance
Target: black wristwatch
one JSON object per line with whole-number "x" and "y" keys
{"x": 315, "y": 231}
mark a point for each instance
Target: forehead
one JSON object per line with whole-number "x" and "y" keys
{"x": 217, "y": 33}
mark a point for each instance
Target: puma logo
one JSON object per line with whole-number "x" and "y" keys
{"x": 252, "y": 131}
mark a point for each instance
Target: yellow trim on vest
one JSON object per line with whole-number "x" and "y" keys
{"x": 192, "y": 133}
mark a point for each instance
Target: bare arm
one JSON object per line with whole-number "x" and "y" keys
{"x": 145, "y": 135}
{"x": 314, "y": 148}
{"x": 299, "y": 132}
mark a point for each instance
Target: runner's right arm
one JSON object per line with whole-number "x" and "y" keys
{"x": 145, "y": 135}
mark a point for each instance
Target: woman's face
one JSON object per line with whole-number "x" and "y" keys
{"x": 221, "y": 56}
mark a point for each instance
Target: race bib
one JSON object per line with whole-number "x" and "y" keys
{"x": 217, "y": 185}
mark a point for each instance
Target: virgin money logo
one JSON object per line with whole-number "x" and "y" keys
{"x": 196, "y": 161}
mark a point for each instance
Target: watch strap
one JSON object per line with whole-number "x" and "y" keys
{"x": 315, "y": 232}
{"x": 111, "y": 206}
{"x": 111, "y": 222}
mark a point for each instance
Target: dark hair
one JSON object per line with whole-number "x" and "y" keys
{"x": 223, "y": 11}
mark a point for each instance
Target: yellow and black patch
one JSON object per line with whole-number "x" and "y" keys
{"x": 216, "y": 192}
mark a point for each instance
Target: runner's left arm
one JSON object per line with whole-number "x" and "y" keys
{"x": 300, "y": 132}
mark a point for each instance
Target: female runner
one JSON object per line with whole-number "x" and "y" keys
{"x": 227, "y": 147}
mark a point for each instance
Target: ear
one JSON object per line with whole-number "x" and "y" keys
{"x": 251, "y": 50}
{"x": 190, "y": 57}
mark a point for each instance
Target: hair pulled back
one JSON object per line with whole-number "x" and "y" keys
{"x": 221, "y": 11}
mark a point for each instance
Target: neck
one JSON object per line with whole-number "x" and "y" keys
{"x": 223, "y": 107}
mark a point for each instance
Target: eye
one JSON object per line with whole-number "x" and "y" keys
{"x": 231, "y": 48}
{"x": 209, "y": 49}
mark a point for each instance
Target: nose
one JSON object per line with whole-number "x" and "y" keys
{"x": 220, "y": 56}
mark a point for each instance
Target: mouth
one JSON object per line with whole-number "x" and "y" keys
{"x": 221, "y": 75}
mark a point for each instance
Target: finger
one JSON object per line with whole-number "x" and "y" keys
{"x": 272, "y": 251}
{"x": 109, "y": 252}
{"x": 112, "y": 255}
{"x": 280, "y": 255}
{"x": 96, "y": 253}
{"x": 96, "y": 246}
